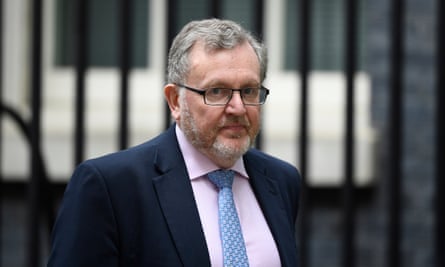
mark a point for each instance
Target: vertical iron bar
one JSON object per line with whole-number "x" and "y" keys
{"x": 1, "y": 129}
{"x": 258, "y": 28}
{"x": 33, "y": 253}
{"x": 348, "y": 186}
{"x": 81, "y": 57}
{"x": 396, "y": 137}
{"x": 258, "y": 25}
{"x": 171, "y": 20}
{"x": 440, "y": 135}
{"x": 215, "y": 8}
{"x": 125, "y": 39}
{"x": 304, "y": 54}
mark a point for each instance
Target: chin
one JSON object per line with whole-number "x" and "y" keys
{"x": 233, "y": 148}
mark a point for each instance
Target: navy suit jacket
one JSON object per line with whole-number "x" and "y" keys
{"x": 136, "y": 208}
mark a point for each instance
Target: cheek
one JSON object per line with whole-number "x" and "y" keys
{"x": 207, "y": 121}
{"x": 255, "y": 123}
{"x": 254, "y": 116}
{"x": 203, "y": 118}
{"x": 205, "y": 115}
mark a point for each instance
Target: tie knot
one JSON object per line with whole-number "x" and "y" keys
{"x": 222, "y": 178}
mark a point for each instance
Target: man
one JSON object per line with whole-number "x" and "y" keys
{"x": 155, "y": 204}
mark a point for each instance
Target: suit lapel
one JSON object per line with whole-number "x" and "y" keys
{"x": 177, "y": 202}
{"x": 268, "y": 195}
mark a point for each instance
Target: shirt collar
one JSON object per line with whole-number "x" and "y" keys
{"x": 198, "y": 164}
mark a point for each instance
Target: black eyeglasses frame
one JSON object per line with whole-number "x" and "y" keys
{"x": 202, "y": 92}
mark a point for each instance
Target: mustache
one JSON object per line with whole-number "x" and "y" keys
{"x": 235, "y": 121}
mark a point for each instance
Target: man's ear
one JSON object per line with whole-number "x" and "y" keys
{"x": 172, "y": 96}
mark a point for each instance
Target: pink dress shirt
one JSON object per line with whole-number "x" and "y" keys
{"x": 260, "y": 245}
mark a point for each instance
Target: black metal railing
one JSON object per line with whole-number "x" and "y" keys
{"x": 81, "y": 63}
{"x": 125, "y": 38}
{"x": 40, "y": 191}
{"x": 1, "y": 129}
{"x": 349, "y": 199}
{"x": 305, "y": 51}
{"x": 35, "y": 184}
{"x": 396, "y": 134}
{"x": 440, "y": 142}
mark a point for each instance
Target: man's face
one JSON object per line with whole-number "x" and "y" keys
{"x": 223, "y": 133}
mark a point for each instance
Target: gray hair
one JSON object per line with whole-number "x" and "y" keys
{"x": 215, "y": 34}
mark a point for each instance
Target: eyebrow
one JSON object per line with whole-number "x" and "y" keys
{"x": 223, "y": 85}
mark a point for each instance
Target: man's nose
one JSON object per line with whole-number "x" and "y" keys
{"x": 236, "y": 104}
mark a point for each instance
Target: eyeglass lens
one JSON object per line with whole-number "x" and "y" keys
{"x": 223, "y": 95}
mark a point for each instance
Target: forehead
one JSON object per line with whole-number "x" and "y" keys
{"x": 237, "y": 64}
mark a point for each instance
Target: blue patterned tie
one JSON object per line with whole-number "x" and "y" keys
{"x": 234, "y": 249}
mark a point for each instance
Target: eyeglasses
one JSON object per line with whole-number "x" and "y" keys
{"x": 252, "y": 96}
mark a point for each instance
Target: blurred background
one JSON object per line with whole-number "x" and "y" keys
{"x": 356, "y": 104}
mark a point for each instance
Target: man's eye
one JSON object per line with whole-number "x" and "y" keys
{"x": 250, "y": 91}
{"x": 215, "y": 91}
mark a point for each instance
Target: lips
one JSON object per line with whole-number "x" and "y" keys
{"x": 235, "y": 131}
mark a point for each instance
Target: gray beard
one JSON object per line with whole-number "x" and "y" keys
{"x": 217, "y": 149}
